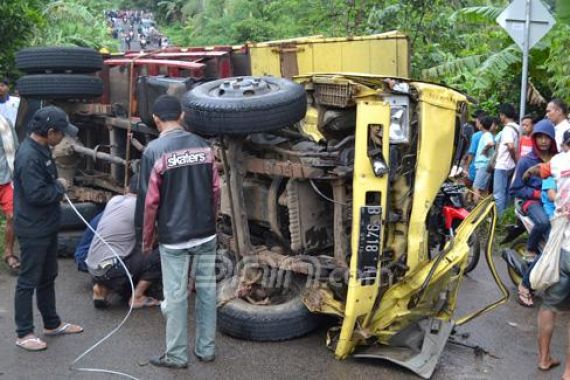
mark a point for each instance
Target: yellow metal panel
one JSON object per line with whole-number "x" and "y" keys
{"x": 320, "y": 38}
{"x": 327, "y": 57}
{"x": 361, "y": 298}
{"x": 438, "y": 107}
{"x": 403, "y": 53}
{"x": 355, "y": 56}
{"x": 305, "y": 58}
{"x": 382, "y": 54}
{"x": 265, "y": 61}
{"x": 384, "y": 57}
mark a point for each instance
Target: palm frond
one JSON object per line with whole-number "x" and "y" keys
{"x": 477, "y": 14}
{"x": 498, "y": 62}
{"x": 453, "y": 67}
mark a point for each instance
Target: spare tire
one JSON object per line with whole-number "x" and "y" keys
{"x": 60, "y": 86}
{"x": 58, "y": 60}
{"x": 67, "y": 242}
{"x": 69, "y": 219}
{"x": 243, "y": 105}
{"x": 265, "y": 323}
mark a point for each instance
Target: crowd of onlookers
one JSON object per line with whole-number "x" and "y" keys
{"x": 499, "y": 148}
{"x": 530, "y": 165}
{"x": 496, "y": 162}
{"x": 130, "y": 26}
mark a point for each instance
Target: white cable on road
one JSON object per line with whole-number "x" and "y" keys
{"x": 81, "y": 356}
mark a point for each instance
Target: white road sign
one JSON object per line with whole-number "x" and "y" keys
{"x": 513, "y": 19}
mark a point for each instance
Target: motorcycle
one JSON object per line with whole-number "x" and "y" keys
{"x": 516, "y": 255}
{"x": 447, "y": 213}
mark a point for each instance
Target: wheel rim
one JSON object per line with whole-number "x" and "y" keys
{"x": 242, "y": 87}
{"x": 259, "y": 295}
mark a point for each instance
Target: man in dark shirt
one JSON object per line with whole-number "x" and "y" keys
{"x": 179, "y": 192}
{"x": 37, "y": 195}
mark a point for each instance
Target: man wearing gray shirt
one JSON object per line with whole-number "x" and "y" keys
{"x": 117, "y": 228}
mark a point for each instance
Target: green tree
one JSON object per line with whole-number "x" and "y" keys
{"x": 88, "y": 28}
{"x": 18, "y": 20}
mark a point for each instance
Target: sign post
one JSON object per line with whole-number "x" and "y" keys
{"x": 526, "y": 21}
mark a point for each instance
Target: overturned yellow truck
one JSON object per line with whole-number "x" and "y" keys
{"x": 329, "y": 182}
{"x": 332, "y": 162}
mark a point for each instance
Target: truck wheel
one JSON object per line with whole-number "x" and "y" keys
{"x": 69, "y": 219}
{"x": 519, "y": 247}
{"x": 58, "y": 60}
{"x": 243, "y": 105}
{"x": 474, "y": 252}
{"x": 265, "y": 323}
{"x": 67, "y": 242}
{"x": 60, "y": 86}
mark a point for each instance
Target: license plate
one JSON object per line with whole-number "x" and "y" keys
{"x": 369, "y": 243}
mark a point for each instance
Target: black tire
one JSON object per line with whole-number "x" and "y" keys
{"x": 474, "y": 252}
{"x": 67, "y": 242}
{"x": 264, "y": 323}
{"x": 58, "y": 60}
{"x": 518, "y": 246}
{"x": 60, "y": 86}
{"x": 70, "y": 220}
{"x": 239, "y": 106}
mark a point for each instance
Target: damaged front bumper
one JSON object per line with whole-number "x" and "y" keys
{"x": 409, "y": 323}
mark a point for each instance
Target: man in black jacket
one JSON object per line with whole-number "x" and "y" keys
{"x": 179, "y": 191}
{"x": 37, "y": 196}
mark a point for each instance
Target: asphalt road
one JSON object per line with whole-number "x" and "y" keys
{"x": 507, "y": 333}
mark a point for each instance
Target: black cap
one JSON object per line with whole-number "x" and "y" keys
{"x": 54, "y": 117}
{"x": 566, "y": 137}
{"x": 167, "y": 107}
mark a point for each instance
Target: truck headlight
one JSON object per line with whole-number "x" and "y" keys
{"x": 399, "y": 119}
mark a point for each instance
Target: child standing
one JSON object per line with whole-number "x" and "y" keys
{"x": 485, "y": 150}
{"x": 527, "y": 125}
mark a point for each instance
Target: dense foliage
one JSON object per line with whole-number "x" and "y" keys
{"x": 18, "y": 20}
{"x": 87, "y": 29}
{"x": 50, "y": 22}
{"x": 456, "y": 42}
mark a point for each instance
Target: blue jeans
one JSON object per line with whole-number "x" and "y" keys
{"x": 541, "y": 226}
{"x": 501, "y": 181}
{"x": 526, "y": 275}
{"x": 175, "y": 264}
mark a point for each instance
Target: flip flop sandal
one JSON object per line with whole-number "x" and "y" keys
{"x": 15, "y": 266}
{"x": 148, "y": 302}
{"x": 32, "y": 344}
{"x": 66, "y": 328}
{"x": 525, "y": 299}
